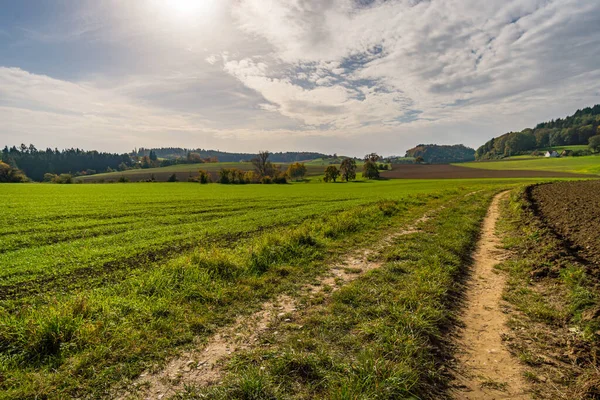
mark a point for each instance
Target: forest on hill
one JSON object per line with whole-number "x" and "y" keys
{"x": 442, "y": 154}
{"x": 35, "y": 163}
{"x": 175, "y": 153}
{"x": 576, "y": 129}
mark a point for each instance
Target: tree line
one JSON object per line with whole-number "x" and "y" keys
{"x": 266, "y": 172}
{"x": 348, "y": 167}
{"x": 36, "y": 163}
{"x": 182, "y": 155}
{"x": 441, "y": 154}
{"x": 581, "y": 128}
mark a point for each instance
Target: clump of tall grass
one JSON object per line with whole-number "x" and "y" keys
{"x": 39, "y": 337}
{"x": 282, "y": 247}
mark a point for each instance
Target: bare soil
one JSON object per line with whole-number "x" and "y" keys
{"x": 572, "y": 210}
{"x": 446, "y": 171}
{"x": 486, "y": 369}
{"x": 561, "y": 362}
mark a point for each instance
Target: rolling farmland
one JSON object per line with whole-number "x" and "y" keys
{"x": 100, "y": 281}
{"x": 184, "y": 171}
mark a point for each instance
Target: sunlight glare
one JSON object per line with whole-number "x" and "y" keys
{"x": 189, "y": 8}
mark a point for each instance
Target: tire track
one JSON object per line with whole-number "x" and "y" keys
{"x": 203, "y": 365}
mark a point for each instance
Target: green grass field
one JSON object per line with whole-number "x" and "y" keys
{"x": 580, "y": 165}
{"x": 91, "y": 268}
{"x": 541, "y": 151}
{"x": 561, "y": 148}
{"x": 101, "y": 282}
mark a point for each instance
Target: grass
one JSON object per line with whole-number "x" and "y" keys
{"x": 580, "y": 165}
{"x": 49, "y": 231}
{"x": 100, "y": 282}
{"x": 561, "y": 148}
{"x": 383, "y": 336}
{"x": 558, "y": 149}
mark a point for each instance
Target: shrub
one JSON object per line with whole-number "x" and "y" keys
{"x": 296, "y": 171}
{"x": 10, "y": 175}
{"x": 594, "y": 143}
{"x": 280, "y": 179}
{"x": 123, "y": 179}
{"x": 224, "y": 176}
{"x": 580, "y": 153}
{"x": 251, "y": 177}
{"x": 49, "y": 177}
{"x": 203, "y": 177}
{"x": 232, "y": 175}
{"x": 173, "y": 178}
{"x": 266, "y": 180}
{"x": 64, "y": 179}
{"x": 238, "y": 176}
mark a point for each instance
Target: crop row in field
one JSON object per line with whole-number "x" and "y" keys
{"x": 51, "y": 231}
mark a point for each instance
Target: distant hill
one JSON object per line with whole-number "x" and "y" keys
{"x": 572, "y": 130}
{"x": 442, "y": 154}
{"x": 173, "y": 153}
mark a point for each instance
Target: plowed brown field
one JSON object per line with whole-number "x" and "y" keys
{"x": 572, "y": 210}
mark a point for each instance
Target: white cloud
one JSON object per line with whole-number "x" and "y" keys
{"x": 301, "y": 72}
{"x": 426, "y": 55}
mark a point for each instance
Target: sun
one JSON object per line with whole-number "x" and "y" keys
{"x": 188, "y": 8}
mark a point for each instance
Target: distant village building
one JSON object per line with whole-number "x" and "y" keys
{"x": 552, "y": 154}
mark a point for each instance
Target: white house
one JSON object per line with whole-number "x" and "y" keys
{"x": 552, "y": 154}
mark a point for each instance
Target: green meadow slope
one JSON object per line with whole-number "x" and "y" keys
{"x": 580, "y": 165}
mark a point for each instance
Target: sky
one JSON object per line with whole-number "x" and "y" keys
{"x": 336, "y": 76}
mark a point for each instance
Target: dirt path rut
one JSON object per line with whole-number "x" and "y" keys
{"x": 202, "y": 366}
{"x": 486, "y": 369}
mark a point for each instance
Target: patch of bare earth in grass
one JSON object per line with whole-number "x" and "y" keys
{"x": 203, "y": 365}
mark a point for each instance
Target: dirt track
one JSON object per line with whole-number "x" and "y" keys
{"x": 486, "y": 368}
{"x": 446, "y": 171}
{"x": 572, "y": 210}
{"x": 202, "y": 366}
